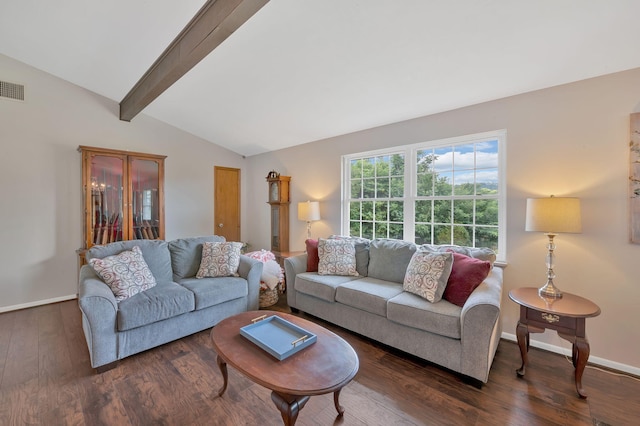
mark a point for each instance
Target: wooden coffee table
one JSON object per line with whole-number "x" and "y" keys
{"x": 325, "y": 366}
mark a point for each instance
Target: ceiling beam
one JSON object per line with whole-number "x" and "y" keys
{"x": 213, "y": 23}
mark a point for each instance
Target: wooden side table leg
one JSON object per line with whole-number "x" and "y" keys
{"x": 289, "y": 406}
{"x": 223, "y": 369}
{"x": 582, "y": 346}
{"x": 522, "y": 333}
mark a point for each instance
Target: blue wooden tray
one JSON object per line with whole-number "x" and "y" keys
{"x": 278, "y": 336}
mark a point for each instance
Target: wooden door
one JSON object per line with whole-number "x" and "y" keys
{"x": 226, "y": 202}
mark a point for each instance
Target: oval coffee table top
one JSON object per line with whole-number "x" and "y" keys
{"x": 323, "y": 367}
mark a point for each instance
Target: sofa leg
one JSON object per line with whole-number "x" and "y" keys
{"x": 473, "y": 382}
{"x": 106, "y": 367}
{"x": 295, "y": 310}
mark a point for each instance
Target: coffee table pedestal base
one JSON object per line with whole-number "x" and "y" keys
{"x": 289, "y": 406}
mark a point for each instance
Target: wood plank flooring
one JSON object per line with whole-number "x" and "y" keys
{"x": 46, "y": 379}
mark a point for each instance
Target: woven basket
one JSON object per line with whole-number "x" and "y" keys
{"x": 268, "y": 297}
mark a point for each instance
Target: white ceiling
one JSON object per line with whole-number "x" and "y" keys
{"x": 305, "y": 70}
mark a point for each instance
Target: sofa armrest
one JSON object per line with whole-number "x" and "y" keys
{"x": 481, "y": 328}
{"x": 251, "y": 270}
{"x": 293, "y": 266}
{"x": 99, "y": 310}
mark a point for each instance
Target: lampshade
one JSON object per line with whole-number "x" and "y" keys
{"x": 554, "y": 215}
{"x": 309, "y": 211}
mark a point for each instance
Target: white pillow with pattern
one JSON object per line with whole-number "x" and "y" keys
{"x": 427, "y": 274}
{"x": 337, "y": 257}
{"x": 126, "y": 273}
{"x": 219, "y": 260}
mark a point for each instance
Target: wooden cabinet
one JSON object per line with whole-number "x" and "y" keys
{"x": 123, "y": 195}
{"x": 279, "y": 202}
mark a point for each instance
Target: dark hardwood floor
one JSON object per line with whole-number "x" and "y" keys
{"x": 46, "y": 379}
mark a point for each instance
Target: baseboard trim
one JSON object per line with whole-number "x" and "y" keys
{"x": 635, "y": 371}
{"x": 37, "y": 303}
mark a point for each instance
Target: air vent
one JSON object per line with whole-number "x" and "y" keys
{"x": 11, "y": 91}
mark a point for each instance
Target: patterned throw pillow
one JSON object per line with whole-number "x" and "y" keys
{"x": 427, "y": 274}
{"x": 219, "y": 260}
{"x": 126, "y": 273}
{"x": 336, "y": 257}
{"x": 312, "y": 255}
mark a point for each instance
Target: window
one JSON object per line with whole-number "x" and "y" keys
{"x": 441, "y": 192}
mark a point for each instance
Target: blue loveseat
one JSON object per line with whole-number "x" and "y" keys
{"x": 179, "y": 305}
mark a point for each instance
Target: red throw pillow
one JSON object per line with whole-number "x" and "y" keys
{"x": 312, "y": 255}
{"x": 467, "y": 274}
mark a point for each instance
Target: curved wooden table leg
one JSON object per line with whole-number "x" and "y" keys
{"x": 581, "y": 345}
{"x": 336, "y": 402}
{"x": 522, "y": 333}
{"x": 223, "y": 369}
{"x": 289, "y": 406}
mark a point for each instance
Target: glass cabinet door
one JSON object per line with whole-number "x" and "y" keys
{"x": 106, "y": 199}
{"x": 145, "y": 199}
{"x": 123, "y": 196}
{"x": 275, "y": 228}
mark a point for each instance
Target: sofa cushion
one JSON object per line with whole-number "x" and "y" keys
{"x": 441, "y": 318}
{"x": 213, "y": 291}
{"x": 467, "y": 274}
{"x": 165, "y": 300}
{"x": 186, "y": 254}
{"x": 320, "y": 286}
{"x": 126, "y": 273}
{"x": 219, "y": 259}
{"x": 337, "y": 257}
{"x": 155, "y": 253}
{"x": 368, "y": 294}
{"x": 388, "y": 259}
{"x": 427, "y": 274}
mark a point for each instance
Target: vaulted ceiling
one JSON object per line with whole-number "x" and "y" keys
{"x": 304, "y": 70}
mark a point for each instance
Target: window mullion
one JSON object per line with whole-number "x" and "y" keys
{"x": 410, "y": 180}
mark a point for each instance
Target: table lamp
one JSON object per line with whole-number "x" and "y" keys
{"x": 553, "y": 215}
{"x": 309, "y": 211}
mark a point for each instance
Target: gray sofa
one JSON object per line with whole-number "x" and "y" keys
{"x": 179, "y": 305}
{"x": 373, "y": 304}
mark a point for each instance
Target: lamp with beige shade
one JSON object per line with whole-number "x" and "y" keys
{"x": 309, "y": 211}
{"x": 553, "y": 215}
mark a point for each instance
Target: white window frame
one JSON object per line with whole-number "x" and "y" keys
{"x": 410, "y": 173}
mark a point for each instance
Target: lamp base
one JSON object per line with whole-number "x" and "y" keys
{"x": 550, "y": 291}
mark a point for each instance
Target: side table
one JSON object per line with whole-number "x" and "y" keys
{"x": 280, "y": 257}
{"x": 566, "y": 315}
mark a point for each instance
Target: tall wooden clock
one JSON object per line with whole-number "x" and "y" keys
{"x": 279, "y": 203}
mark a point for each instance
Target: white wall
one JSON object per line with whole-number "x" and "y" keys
{"x": 40, "y": 182}
{"x": 570, "y": 140}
